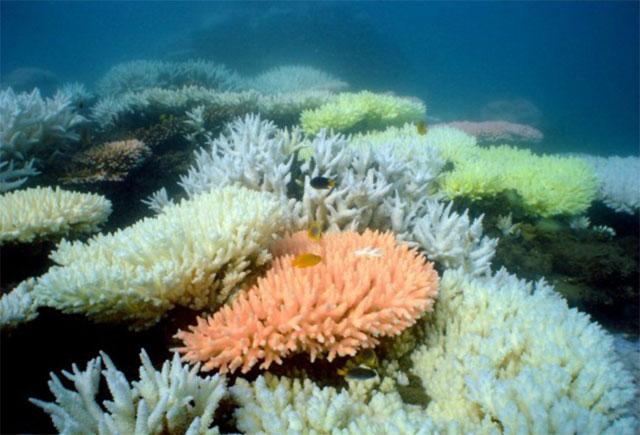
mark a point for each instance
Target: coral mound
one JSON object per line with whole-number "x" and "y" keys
{"x": 366, "y": 286}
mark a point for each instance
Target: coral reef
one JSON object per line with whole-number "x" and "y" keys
{"x": 174, "y": 399}
{"x": 43, "y": 212}
{"x": 350, "y": 113}
{"x": 12, "y": 177}
{"x": 517, "y": 359}
{"x": 365, "y": 287}
{"x": 111, "y": 161}
{"x": 195, "y": 254}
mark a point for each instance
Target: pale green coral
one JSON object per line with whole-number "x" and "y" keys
{"x": 548, "y": 185}
{"x": 362, "y": 111}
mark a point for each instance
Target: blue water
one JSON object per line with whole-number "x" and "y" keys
{"x": 576, "y": 62}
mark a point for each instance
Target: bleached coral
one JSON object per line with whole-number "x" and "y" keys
{"x": 493, "y": 132}
{"x": 195, "y": 253}
{"x": 454, "y": 240}
{"x": 619, "y": 184}
{"x": 142, "y": 74}
{"x": 29, "y": 124}
{"x": 112, "y": 109}
{"x": 18, "y": 306}
{"x": 272, "y": 405}
{"x": 12, "y": 177}
{"x": 504, "y": 355}
{"x": 251, "y": 152}
{"x": 295, "y": 78}
{"x": 173, "y": 400}
{"x": 41, "y": 212}
{"x": 506, "y": 226}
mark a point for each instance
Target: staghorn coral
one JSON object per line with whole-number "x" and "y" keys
{"x": 454, "y": 240}
{"x": 12, "y": 177}
{"x": 295, "y": 78}
{"x": 504, "y": 355}
{"x": 195, "y": 254}
{"x": 43, "y": 212}
{"x": 170, "y": 401}
{"x": 31, "y": 125}
{"x": 349, "y": 112}
{"x": 366, "y": 286}
{"x": 111, "y": 161}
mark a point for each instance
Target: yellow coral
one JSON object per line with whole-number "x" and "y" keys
{"x": 548, "y": 185}
{"x": 362, "y": 111}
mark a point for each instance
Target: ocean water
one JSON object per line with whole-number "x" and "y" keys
{"x": 555, "y": 78}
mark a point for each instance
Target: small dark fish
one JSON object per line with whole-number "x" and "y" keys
{"x": 421, "y": 126}
{"x": 360, "y": 373}
{"x": 315, "y": 231}
{"x": 322, "y": 183}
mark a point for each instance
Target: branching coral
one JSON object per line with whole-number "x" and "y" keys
{"x": 548, "y": 185}
{"x": 295, "y": 78}
{"x": 12, "y": 177}
{"x": 361, "y": 112}
{"x": 29, "y": 124}
{"x": 454, "y": 240}
{"x": 619, "y": 185}
{"x": 273, "y": 405}
{"x": 111, "y": 161}
{"x": 18, "y": 306}
{"x": 41, "y": 212}
{"x": 366, "y": 286}
{"x": 173, "y": 400}
{"x": 501, "y": 354}
{"x": 195, "y": 254}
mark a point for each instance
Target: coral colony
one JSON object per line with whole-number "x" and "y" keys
{"x": 296, "y": 219}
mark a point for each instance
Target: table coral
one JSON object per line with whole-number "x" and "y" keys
{"x": 29, "y": 214}
{"x": 195, "y": 254}
{"x": 367, "y": 286}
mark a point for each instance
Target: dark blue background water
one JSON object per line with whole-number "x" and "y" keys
{"x": 577, "y": 63}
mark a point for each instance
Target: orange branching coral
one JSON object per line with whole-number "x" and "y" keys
{"x": 111, "y": 161}
{"x": 366, "y": 286}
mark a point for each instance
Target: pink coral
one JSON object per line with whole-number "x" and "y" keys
{"x": 366, "y": 286}
{"x": 498, "y": 131}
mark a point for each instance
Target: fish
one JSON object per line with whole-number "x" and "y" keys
{"x": 367, "y": 357}
{"x": 360, "y": 373}
{"x": 421, "y": 127}
{"x": 306, "y": 260}
{"x": 315, "y": 231}
{"x": 322, "y": 183}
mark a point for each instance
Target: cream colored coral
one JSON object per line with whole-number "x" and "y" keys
{"x": 503, "y": 355}
{"x": 273, "y": 405}
{"x": 18, "y": 305}
{"x": 194, "y": 254}
{"x": 41, "y": 212}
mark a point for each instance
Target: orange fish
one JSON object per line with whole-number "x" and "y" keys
{"x": 315, "y": 231}
{"x": 421, "y": 126}
{"x": 306, "y": 260}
